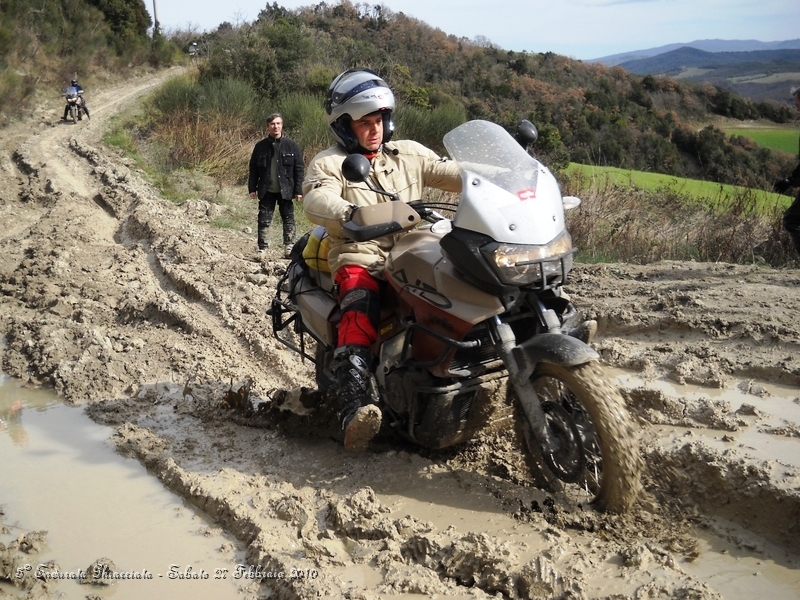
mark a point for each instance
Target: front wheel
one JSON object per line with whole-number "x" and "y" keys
{"x": 73, "y": 113}
{"x": 598, "y": 459}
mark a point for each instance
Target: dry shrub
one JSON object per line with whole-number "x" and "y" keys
{"x": 626, "y": 224}
{"x": 216, "y": 145}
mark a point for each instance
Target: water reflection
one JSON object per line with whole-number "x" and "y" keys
{"x": 11, "y": 422}
{"x": 15, "y": 398}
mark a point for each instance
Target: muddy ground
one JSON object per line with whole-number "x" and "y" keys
{"x": 143, "y": 311}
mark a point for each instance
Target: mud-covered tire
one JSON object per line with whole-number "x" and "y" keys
{"x": 615, "y": 485}
{"x": 73, "y": 113}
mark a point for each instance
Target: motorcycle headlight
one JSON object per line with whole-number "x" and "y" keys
{"x": 520, "y": 265}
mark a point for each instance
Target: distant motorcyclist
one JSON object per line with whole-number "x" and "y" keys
{"x": 359, "y": 110}
{"x": 79, "y": 89}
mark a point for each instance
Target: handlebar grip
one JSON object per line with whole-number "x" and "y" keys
{"x": 363, "y": 233}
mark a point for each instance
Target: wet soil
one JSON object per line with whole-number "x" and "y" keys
{"x": 144, "y": 312}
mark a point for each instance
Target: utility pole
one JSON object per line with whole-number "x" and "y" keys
{"x": 156, "y": 28}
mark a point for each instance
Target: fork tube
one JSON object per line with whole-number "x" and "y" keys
{"x": 505, "y": 341}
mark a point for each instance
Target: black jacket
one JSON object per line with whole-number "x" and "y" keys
{"x": 290, "y": 167}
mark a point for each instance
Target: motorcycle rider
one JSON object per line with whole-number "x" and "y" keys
{"x": 791, "y": 218}
{"x": 359, "y": 109}
{"x": 74, "y": 83}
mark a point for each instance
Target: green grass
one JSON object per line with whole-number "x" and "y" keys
{"x": 712, "y": 194}
{"x": 779, "y": 139}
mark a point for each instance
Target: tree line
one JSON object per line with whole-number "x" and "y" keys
{"x": 585, "y": 113}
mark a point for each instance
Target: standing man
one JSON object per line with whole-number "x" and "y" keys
{"x": 791, "y": 218}
{"x": 276, "y": 177}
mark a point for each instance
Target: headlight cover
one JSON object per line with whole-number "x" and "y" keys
{"x": 522, "y": 265}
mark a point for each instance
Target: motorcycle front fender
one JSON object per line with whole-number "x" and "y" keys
{"x": 555, "y": 348}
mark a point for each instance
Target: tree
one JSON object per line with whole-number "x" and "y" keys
{"x": 127, "y": 18}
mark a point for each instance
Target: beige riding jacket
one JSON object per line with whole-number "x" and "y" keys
{"x": 403, "y": 167}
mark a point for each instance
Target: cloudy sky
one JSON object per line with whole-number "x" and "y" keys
{"x": 582, "y": 29}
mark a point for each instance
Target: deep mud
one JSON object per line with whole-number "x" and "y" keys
{"x": 147, "y": 314}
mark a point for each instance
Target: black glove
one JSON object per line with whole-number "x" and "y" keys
{"x": 781, "y": 186}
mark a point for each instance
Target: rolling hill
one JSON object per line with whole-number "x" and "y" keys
{"x": 758, "y": 75}
{"x": 706, "y": 45}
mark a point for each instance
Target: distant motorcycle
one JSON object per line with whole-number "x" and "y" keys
{"x": 475, "y": 329}
{"x": 75, "y": 103}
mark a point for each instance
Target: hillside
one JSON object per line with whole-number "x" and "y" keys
{"x": 673, "y": 63}
{"x": 759, "y": 71}
{"x": 45, "y": 44}
{"x": 586, "y": 113}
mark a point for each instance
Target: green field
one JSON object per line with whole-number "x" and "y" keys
{"x": 710, "y": 193}
{"x": 780, "y": 139}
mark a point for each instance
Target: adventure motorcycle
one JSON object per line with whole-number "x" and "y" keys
{"x": 75, "y": 103}
{"x": 475, "y": 329}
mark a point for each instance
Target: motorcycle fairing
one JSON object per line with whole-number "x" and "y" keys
{"x": 506, "y": 193}
{"x": 436, "y": 280}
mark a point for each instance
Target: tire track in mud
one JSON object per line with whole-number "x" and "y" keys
{"x": 55, "y": 167}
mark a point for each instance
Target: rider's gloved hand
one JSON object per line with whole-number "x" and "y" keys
{"x": 351, "y": 213}
{"x": 781, "y": 186}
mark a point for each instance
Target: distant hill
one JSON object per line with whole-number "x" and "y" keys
{"x": 678, "y": 61}
{"x": 707, "y": 45}
{"x": 759, "y": 74}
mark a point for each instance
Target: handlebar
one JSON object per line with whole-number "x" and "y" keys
{"x": 370, "y": 222}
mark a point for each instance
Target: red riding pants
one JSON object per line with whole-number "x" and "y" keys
{"x": 359, "y": 299}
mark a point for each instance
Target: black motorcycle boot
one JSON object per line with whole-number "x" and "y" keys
{"x": 359, "y": 419}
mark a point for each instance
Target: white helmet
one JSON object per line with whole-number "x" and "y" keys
{"x": 352, "y": 95}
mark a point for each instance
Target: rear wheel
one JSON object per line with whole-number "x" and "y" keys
{"x": 597, "y": 460}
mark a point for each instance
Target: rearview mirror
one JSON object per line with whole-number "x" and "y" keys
{"x": 355, "y": 168}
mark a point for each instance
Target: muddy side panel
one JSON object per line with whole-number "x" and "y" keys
{"x": 316, "y": 307}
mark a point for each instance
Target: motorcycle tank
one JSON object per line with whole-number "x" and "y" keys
{"x": 417, "y": 268}
{"x": 507, "y": 194}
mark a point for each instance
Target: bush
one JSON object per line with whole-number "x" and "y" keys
{"x": 626, "y": 224}
{"x": 428, "y": 127}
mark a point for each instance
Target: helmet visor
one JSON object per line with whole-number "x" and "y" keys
{"x": 339, "y": 98}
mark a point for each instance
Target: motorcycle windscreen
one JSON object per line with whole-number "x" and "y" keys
{"x": 507, "y": 194}
{"x": 72, "y": 91}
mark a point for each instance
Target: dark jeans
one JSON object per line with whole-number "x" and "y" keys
{"x": 791, "y": 222}
{"x": 266, "y": 209}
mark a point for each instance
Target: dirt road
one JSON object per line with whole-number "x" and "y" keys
{"x": 140, "y": 309}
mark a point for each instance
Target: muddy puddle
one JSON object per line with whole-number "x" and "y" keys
{"x": 746, "y": 422}
{"x": 58, "y": 474}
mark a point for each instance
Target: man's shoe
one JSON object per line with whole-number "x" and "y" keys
{"x": 360, "y": 430}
